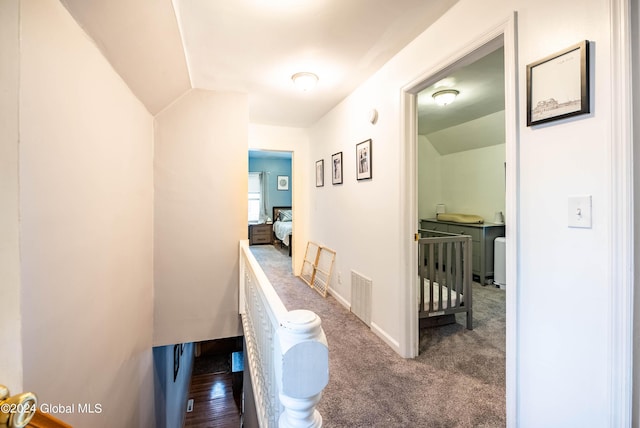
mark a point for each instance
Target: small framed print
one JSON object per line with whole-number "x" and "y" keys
{"x": 320, "y": 173}
{"x": 283, "y": 182}
{"x": 558, "y": 85}
{"x": 176, "y": 361}
{"x": 336, "y": 168}
{"x": 363, "y": 160}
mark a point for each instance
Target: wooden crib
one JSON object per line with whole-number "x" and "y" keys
{"x": 445, "y": 277}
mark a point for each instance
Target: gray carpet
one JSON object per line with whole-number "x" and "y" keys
{"x": 458, "y": 380}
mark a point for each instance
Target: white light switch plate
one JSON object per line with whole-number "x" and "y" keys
{"x": 580, "y": 211}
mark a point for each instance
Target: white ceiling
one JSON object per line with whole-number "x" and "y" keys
{"x": 476, "y": 118}
{"x": 163, "y": 48}
{"x": 140, "y": 39}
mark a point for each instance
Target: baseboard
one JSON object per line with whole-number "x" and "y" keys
{"x": 344, "y": 302}
{"x": 386, "y": 337}
{"x": 394, "y": 344}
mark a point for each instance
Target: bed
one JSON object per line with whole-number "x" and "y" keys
{"x": 282, "y": 226}
{"x": 445, "y": 278}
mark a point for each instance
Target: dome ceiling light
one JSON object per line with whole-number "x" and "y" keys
{"x": 444, "y": 97}
{"x": 304, "y": 80}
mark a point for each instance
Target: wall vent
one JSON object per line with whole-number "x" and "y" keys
{"x": 361, "y": 297}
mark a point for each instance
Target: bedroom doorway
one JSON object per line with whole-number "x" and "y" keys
{"x": 461, "y": 159}
{"x": 500, "y": 42}
{"x": 270, "y": 199}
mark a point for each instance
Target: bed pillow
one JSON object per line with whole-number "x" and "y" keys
{"x": 285, "y": 215}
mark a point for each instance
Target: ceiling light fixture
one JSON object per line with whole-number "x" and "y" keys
{"x": 442, "y": 98}
{"x": 305, "y": 80}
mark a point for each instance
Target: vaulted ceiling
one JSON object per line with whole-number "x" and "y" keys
{"x": 476, "y": 118}
{"x": 163, "y": 48}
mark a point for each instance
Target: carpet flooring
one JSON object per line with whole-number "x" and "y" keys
{"x": 458, "y": 380}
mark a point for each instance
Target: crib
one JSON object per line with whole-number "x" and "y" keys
{"x": 445, "y": 277}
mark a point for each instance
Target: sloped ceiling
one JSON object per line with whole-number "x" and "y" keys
{"x": 163, "y": 48}
{"x": 476, "y": 118}
{"x": 141, "y": 40}
{"x": 477, "y": 133}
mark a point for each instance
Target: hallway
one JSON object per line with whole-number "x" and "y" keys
{"x": 457, "y": 381}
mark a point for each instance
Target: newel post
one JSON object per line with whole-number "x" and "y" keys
{"x": 302, "y": 368}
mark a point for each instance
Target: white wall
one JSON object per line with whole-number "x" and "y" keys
{"x": 473, "y": 182}
{"x": 359, "y": 219}
{"x": 201, "y": 163}
{"x": 429, "y": 178}
{"x": 86, "y": 147}
{"x": 10, "y": 328}
{"x": 296, "y": 140}
{"x": 562, "y": 357}
{"x": 468, "y": 182}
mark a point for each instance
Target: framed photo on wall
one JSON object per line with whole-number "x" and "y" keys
{"x": 283, "y": 182}
{"x": 558, "y": 85}
{"x": 363, "y": 160}
{"x": 336, "y": 168}
{"x": 176, "y": 361}
{"x": 320, "y": 173}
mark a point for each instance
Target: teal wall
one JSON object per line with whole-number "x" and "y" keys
{"x": 273, "y": 167}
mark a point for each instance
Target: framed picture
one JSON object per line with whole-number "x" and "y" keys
{"x": 320, "y": 173}
{"x": 558, "y": 85}
{"x": 283, "y": 182}
{"x": 336, "y": 168}
{"x": 176, "y": 361}
{"x": 363, "y": 160}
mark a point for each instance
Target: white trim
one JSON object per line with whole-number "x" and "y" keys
{"x": 386, "y": 337}
{"x": 344, "y": 302}
{"x": 408, "y": 194}
{"x": 512, "y": 207}
{"x": 408, "y": 222}
{"x": 621, "y": 212}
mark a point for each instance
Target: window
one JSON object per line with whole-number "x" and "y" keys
{"x": 255, "y": 197}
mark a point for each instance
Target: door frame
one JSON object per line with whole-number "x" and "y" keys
{"x": 623, "y": 265}
{"x": 292, "y": 186}
{"x": 503, "y": 34}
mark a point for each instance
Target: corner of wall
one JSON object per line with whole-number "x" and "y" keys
{"x": 11, "y": 352}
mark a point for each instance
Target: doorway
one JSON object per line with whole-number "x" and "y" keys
{"x": 270, "y": 192}
{"x": 501, "y": 37}
{"x": 461, "y": 148}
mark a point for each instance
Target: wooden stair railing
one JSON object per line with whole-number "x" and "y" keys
{"x": 21, "y": 410}
{"x": 45, "y": 420}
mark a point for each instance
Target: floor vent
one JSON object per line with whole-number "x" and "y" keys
{"x": 361, "y": 297}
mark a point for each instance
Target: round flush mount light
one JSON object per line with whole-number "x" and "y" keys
{"x": 305, "y": 80}
{"x": 444, "y": 97}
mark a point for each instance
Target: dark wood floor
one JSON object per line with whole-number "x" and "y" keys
{"x": 213, "y": 401}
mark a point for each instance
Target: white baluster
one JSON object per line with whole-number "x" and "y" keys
{"x": 302, "y": 368}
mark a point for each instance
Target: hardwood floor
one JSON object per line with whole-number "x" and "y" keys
{"x": 213, "y": 402}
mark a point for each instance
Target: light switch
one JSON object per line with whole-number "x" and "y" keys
{"x": 580, "y": 211}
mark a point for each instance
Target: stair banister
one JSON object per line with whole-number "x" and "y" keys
{"x": 16, "y": 411}
{"x": 287, "y": 352}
